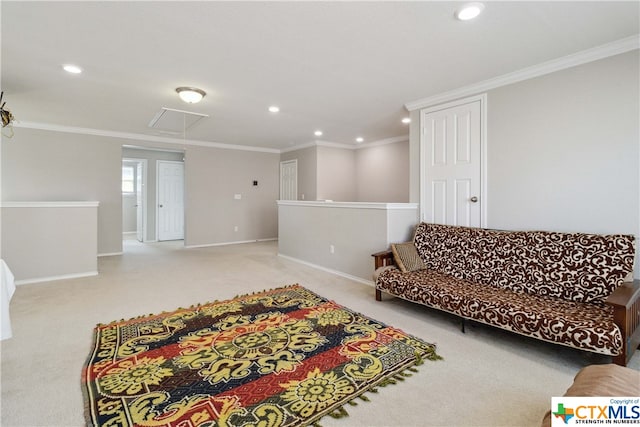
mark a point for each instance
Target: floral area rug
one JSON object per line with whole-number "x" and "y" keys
{"x": 284, "y": 357}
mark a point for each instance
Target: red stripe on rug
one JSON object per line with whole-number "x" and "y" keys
{"x": 266, "y": 386}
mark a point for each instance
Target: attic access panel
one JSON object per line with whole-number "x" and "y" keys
{"x": 176, "y": 121}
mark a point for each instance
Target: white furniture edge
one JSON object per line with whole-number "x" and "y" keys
{"x": 49, "y": 204}
{"x": 356, "y": 205}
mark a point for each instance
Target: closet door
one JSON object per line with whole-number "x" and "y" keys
{"x": 170, "y": 200}
{"x": 451, "y": 164}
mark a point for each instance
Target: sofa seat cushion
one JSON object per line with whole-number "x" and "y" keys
{"x": 587, "y": 326}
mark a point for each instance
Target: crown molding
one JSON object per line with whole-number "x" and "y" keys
{"x": 319, "y": 143}
{"x": 139, "y": 137}
{"x": 599, "y": 52}
{"x": 386, "y": 141}
{"x": 298, "y": 147}
{"x": 143, "y": 148}
{"x": 335, "y": 145}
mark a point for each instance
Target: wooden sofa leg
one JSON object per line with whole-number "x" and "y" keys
{"x": 378, "y": 295}
{"x": 620, "y": 359}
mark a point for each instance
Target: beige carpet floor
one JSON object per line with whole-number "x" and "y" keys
{"x": 488, "y": 378}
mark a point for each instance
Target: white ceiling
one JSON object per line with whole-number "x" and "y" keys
{"x": 347, "y": 68}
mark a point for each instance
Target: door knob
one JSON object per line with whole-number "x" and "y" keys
{"x": 474, "y": 199}
{"x": 160, "y": 205}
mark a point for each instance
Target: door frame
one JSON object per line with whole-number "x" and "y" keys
{"x": 184, "y": 227}
{"x": 141, "y": 163}
{"x": 294, "y": 161}
{"x": 483, "y": 152}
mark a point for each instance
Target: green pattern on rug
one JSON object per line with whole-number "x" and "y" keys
{"x": 284, "y": 357}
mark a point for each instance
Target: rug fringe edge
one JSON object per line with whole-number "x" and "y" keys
{"x": 341, "y": 412}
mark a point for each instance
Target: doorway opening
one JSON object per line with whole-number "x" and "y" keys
{"x": 134, "y": 177}
{"x": 289, "y": 180}
{"x": 152, "y": 198}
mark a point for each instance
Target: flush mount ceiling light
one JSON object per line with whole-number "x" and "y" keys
{"x": 73, "y": 69}
{"x": 406, "y": 120}
{"x": 191, "y": 95}
{"x": 274, "y": 109}
{"x": 318, "y": 133}
{"x": 359, "y": 139}
{"x": 469, "y": 11}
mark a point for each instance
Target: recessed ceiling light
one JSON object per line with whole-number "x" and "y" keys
{"x": 406, "y": 120}
{"x": 73, "y": 69}
{"x": 318, "y": 133}
{"x": 469, "y": 11}
{"x": 190, "y": 95}
{"x": 274, "y": 109}
{"x": 359, "y": 139}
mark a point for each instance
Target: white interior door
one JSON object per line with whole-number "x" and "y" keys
{"x": 289, "y": 180}
{"x": 451, "y": 164}
{"x": 170, "y": 200}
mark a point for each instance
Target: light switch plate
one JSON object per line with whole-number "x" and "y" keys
{"x": 237, "y": 196}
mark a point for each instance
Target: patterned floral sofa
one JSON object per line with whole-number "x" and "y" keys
{"x": 563, "y": 288}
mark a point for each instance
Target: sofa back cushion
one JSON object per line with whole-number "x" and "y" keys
{"x": 573, "y": 266}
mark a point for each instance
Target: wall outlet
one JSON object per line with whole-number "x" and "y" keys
{"x": 237, "y": 196}
{"x": 332, "y": 249}
{"x": 235, "y": 228}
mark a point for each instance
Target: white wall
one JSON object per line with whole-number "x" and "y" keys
{"x": 382, "y": 173}
{"x": 563, "y": 151}
{"x": 354, "y": 230}
{"x": 307, "y": 171}
{"x": 50, "y": 166}
{"x": 336, "y": 174}
{"x": 50, "y": 240}
{"x": 367, "y": 174}
{"x": 213, "y": 177}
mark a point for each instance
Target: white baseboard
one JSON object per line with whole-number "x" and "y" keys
{"x": 61, "y": 277}
{"x": 129, "y": 233}
{"x": 238, "y": 242}
{"x": 329, "y": 270}
{"x": 110, "y": 254}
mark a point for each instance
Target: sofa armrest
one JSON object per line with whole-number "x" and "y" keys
{"x": 625, "y": 301}
{"x": 383, "y": 258}
{"x": 625, "y": 294}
